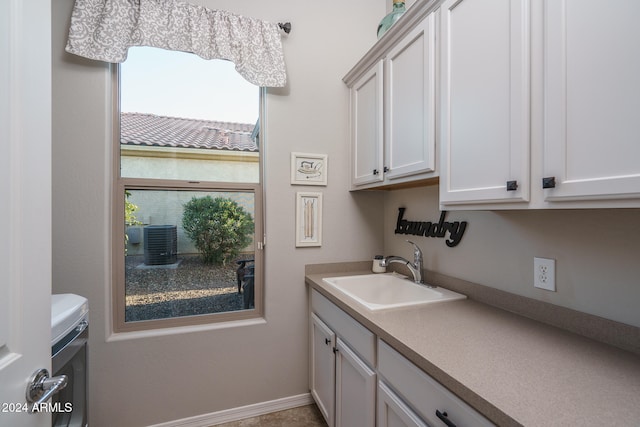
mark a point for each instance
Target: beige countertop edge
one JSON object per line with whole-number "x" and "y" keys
{"x": 519, "y": 371}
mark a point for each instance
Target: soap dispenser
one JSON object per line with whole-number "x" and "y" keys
{"x": 377, "y": 268}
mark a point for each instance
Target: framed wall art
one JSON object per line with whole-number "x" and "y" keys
{"x": 308, "y": 169}
{"x": 308, "y": 219}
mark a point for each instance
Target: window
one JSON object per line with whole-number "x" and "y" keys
{"x": 188, "y": 214}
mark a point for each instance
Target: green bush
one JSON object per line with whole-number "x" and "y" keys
{"x": 129, "y": 216}
{"x": 130, "y": 211}
{"x": 219, "y": 228}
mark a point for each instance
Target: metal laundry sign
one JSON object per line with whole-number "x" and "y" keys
{"x": 438, "y": 229}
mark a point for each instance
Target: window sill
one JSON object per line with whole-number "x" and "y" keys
{"x": 151, "y": 333}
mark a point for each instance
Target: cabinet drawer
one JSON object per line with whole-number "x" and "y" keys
{"x": 423, "y": 393}
{"x": 360, "y": 339}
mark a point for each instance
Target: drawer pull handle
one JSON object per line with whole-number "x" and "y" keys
{"x": 549, "y": 182}
{"x": 327, "y": 341}
{"x": 443, "y": 417}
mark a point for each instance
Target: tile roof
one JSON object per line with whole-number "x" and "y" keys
{"x": 160, "y": 131}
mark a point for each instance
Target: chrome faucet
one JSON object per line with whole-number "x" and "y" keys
{"x": 415, "y": 268}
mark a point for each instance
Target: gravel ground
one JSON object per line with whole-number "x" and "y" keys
{"x": 186, "y": 288}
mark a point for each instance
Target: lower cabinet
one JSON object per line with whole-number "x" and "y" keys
{"x": 323, "y": 368}
{"x": 342, "y": 379}
{"x": 358, "y": 380}
{"x": 355, "y": 389}
{"x": 433, "y": 404}
{"x": 393, "y": 412}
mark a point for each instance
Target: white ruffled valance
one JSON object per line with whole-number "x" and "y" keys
{"x": 105, "y": 29}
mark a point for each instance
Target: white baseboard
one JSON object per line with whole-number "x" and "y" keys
{"x": 240, "y": 413}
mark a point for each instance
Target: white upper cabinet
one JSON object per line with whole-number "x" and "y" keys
{"x": 366, "y": 127}
{"x": 534, "y": 105}
{"x": 410, "y": 133}
{"x": 484, "y": 101}
{"x": 540, "y": 101}
{"x": 592, "y": 99}
{"x": 393, "y": 105}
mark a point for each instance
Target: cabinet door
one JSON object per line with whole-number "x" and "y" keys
{"x": 592, "y": 99}
{"x": 366, "y": 127}
{"x": 485, "y": 86}
{"x": 393, "y": 412}
{"x": 410, "y": 103}
{"x": 355, "y": 390}
{"x": 323, "y": 368}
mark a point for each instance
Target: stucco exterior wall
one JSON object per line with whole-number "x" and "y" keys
{"x": 189, "y": 164}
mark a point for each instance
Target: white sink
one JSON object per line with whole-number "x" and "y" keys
{"x": 386, "y": 291}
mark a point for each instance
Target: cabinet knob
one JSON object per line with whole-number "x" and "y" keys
{"x": 327, "y": 341}
{"x": 385, "y": 169}
{"x": 512, "y": 185}
{"x": 549, "y": 182}
{"x": 376, "y": 172}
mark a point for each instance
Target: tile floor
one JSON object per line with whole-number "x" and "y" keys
{"x": 304, "y": 416}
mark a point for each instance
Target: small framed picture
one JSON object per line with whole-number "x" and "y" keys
{"x": 308, "y": 219}
{"x": 308, "y": 169}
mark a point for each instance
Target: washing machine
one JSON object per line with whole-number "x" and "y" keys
{"x": 69, "y": 336}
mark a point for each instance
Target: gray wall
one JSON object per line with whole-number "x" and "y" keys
{"x": 597, "y": 251}
{"x": 153, "y": 379}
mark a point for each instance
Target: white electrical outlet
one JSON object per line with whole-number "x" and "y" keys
{"x": 544, "y": 273}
